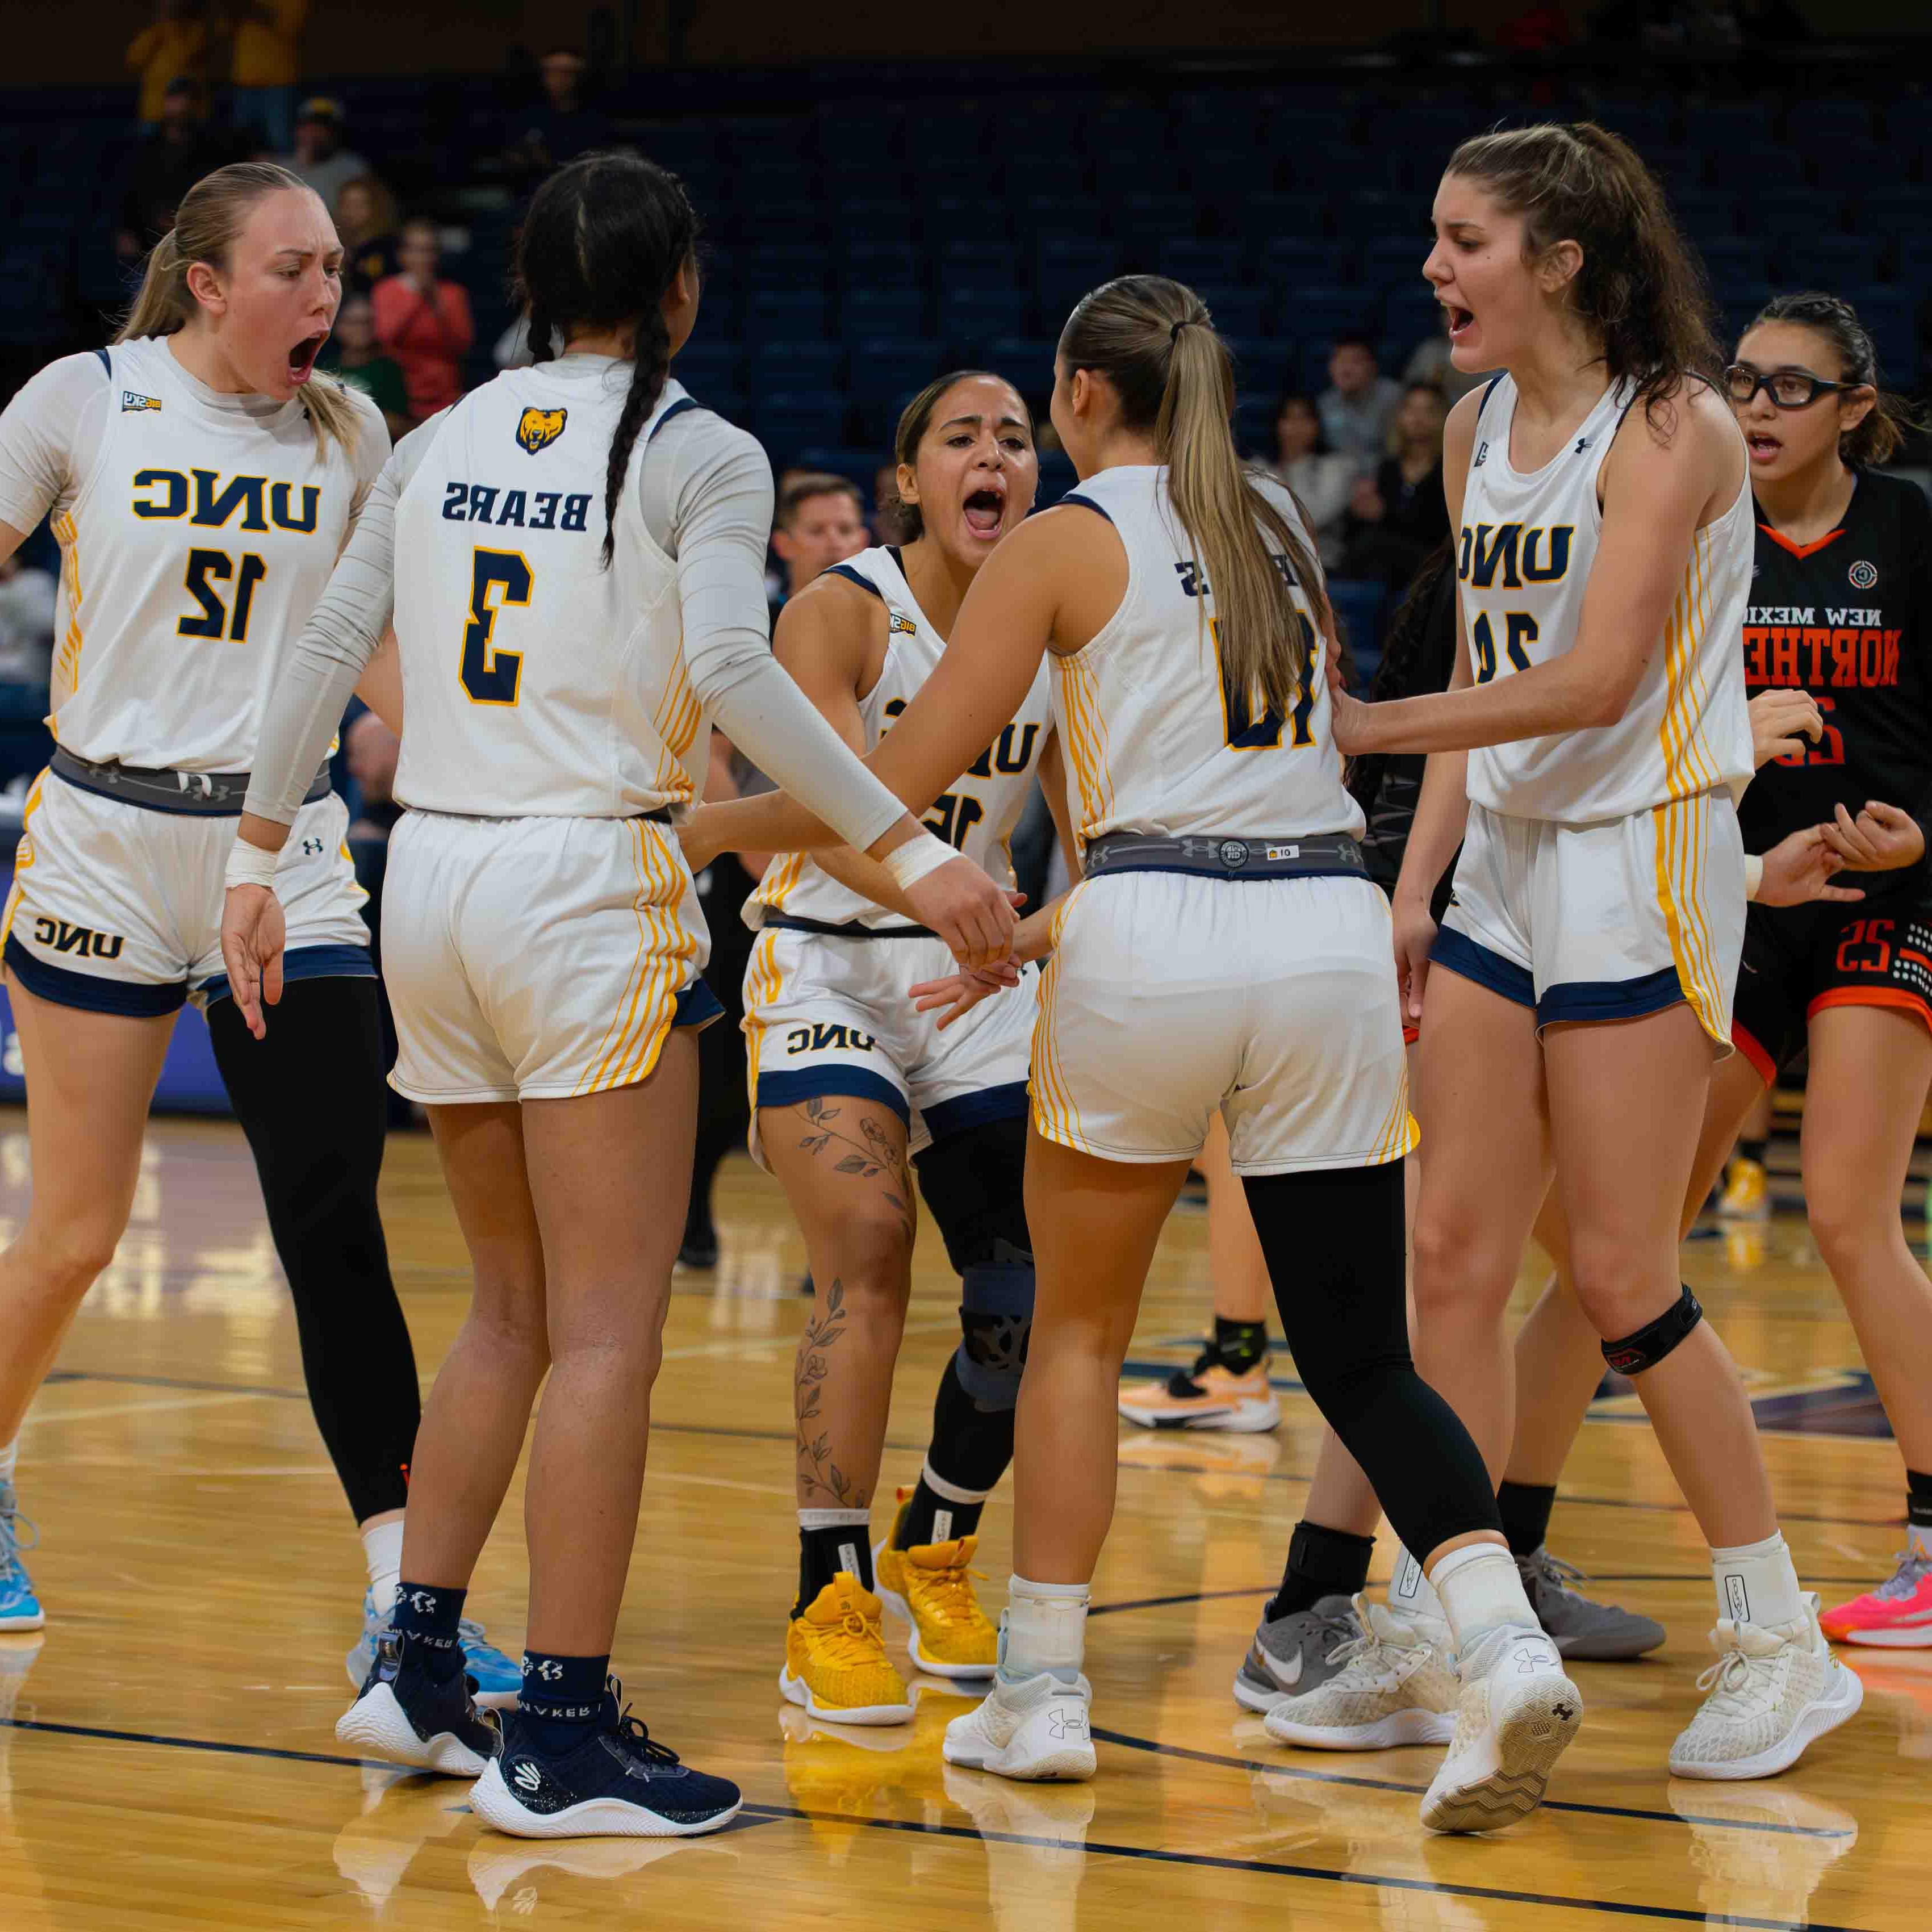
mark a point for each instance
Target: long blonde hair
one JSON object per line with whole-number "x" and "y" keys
{"x": 1154, "y": 340}
{"x": 210, "y": 217}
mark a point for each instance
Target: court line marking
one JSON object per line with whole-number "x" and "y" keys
{"x": 47, "y": 1419}
{"x": 1205, "y": 1861}
{"x": 1140, "y": 1468}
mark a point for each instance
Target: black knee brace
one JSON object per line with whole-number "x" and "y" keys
{"x": 973, "y": 1183}
{"x": 1654, "y": 1339}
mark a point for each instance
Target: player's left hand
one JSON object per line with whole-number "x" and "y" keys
{"x": 253, "y": 933}
{"x": 1800, "y": 869}
{"x": 960, "y": 992}
{"x": 1781, "y": 720}
{"x": 1880, "y": 839}
{"x": 1347, "y": 713}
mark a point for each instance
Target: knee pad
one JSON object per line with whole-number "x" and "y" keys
{"x": 974, "y": 1182}
{"x": 996, "y": 1313}
{"x": 1655, "y": 1339}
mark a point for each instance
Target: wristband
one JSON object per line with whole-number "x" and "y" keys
{"x": 249, "y": 864}
{"x": 1753, "y": 875}
{"x": 909, "y": 862}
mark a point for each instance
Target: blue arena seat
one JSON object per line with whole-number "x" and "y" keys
{"x": 1825, "y": 261}
{"x": 865, "y": 310}
{"x": 813, "y": 367}
{"x": 889, "y": 367}
{"x": 1201, "y": 264}
{"x": 969, "y": 318}
{"x": 786, "y": 314}
{"x": 787, "y": 424}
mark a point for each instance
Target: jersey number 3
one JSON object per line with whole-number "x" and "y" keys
{"x": 492, "y": 676}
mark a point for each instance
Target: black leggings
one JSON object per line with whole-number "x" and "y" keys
{"x": 312, "y": 1100}
{"x": 1334, "y": 1245}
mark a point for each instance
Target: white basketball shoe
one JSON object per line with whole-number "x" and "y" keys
{"x": 1391, "y": 1686}
{"x": 1037, "y": 1729}
{"x": 1516, "y": 1715}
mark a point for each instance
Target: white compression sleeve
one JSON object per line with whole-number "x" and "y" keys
{"x": 721, "y": 484}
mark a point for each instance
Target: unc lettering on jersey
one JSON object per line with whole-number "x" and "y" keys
{"x": 822, "y": 1037}
{"x": 537, "y": 429}
{"x": 83, "y": 940}
{"x": 517, "y": 509}
{"x": 212, "y": 504}
{"x": 1531, "y": 556}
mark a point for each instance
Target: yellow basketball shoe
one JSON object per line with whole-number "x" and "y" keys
{"x": 836, "y": 1663}
{"x": 931, "y": 1586}
{"x": 1747, "y": 1195}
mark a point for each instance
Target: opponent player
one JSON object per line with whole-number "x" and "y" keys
{"x": 202, "y": 480}
{"x": 581, "y": 553}
{"x": 1226, "y": 950}
{"x": 847, "y": 1078}
{"x": 1598, "y": 488}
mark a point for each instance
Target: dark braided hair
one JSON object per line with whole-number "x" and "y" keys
{"x": 601, "y": 246}
{"x": 1891, "y": 419}
{"x": 1414, "y": 659}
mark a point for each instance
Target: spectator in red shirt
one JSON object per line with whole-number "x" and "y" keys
{"x": 424, "y": 323}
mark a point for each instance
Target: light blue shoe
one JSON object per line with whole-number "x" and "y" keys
{"x": 498, "y": 1680}
{"x": 19, "y": 1608}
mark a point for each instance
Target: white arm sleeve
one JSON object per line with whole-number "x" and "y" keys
{"x": 335, "y": 648}
{"x": 708, "y": 500}
{"x": 49, "y": 437}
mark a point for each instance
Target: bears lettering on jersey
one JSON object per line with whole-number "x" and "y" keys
{"x": 160, "y": 495}
{"x": 518, "y": 509}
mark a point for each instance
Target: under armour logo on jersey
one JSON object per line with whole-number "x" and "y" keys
{"x": 527, "y": 1777}
{"x": 1583, "y": 444}
{"x": 538, "y": 429}
{"x": 422, "y": 1602}
{"x": 1065, "y": 1724}
{"x": 313, "y": 848}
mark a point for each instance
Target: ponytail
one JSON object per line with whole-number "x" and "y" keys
{"x": 210, "y": 215}
{"x": 1891, "y": 419}
{"x": 1155, "y": 341}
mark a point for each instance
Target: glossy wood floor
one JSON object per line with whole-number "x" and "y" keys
{"x": 169, "y": 1760}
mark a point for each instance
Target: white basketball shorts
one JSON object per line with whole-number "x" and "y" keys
{"x": 537, "y": 959}
{"x": 1169, "y": 995}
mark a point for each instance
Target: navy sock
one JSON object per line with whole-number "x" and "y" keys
{"x": 1240, "y": 1345}
{"x": 1918, "y": 1497}
{"x": 1524, "y": 1509}
{"x": 1321, "y": 1563}
{"x": 822, "y": 1553}
{"x": 428, "y": 1614}
{"x": 562, "y": 1697}
{"x": 926, "y": 1507}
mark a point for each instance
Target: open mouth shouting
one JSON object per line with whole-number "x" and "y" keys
{"x": 1764, "y": 447}
{"x": 985, "y": 510}
{"x": 301, "y": 358}
{"x": 1461, "y": 320}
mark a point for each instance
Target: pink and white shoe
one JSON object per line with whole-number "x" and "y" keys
{"x": 1897, "y": 1615}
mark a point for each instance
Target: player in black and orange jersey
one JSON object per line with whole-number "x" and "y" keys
{"x": 1841, "y": 606}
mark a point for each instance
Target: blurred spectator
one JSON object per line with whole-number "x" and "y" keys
{"x": 512, "y": 349}
{"x": 318, "y": 157}
{"x": 171, "y": 47}
{"x": 424, "y": 322}
{"x": 266, "y": 63}
{"x": 365, "y": 218}
{"x": 821, "y": 521}
{"x": 1398, "y": 516}
{"x": 26, "y": 622}
{"x": 1321, "y": 478}
{"x": 353, "y": 355}
{"x": 370, "y": 749}
{"x": 885, "y": 504}
{"x": 164, "y": 166}
{"x": 557, "y": 128}
{"x": 1359, "y": 403}
{"x": 1430, "y": 364}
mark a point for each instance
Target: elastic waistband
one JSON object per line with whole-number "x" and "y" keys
{"x": 660, "y": 816}
{"x": 1327, "y": 854}
{"x": 201, "y": 794}
{"x": 788, "y": 921}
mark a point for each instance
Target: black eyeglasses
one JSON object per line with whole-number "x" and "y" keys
{"x": 1788, "y": 389}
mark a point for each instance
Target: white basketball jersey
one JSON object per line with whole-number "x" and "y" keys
{"x": 192, "y": 554}
{"x": 1522, "y": 561}
{"x": 535, "y": 682}
{"x": 977, "y": 815}
{"x": 1156, "y": 741}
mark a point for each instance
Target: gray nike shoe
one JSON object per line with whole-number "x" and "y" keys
{"x": 1290, "y": 1656}
{"x": 1590, "y": 1632}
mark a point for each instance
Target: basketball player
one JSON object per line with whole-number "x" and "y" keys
{"x": 582, "y": 550}
{"x": 1604, "y": 558}
{"x": 848, "y": 1080}
{"x": 1225, "y": 950}
{"x": 201, "y": 479}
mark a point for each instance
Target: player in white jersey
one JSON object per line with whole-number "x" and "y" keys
{"x": 201, "y": 481}
{"x": 1224, "y": 951}
{"x": 854, "y": 1088}
{"x": 1605, "y": 551}
{"x": 573, "y": 558}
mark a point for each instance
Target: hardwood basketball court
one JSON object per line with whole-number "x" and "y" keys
{"x": 168, "y": 1758}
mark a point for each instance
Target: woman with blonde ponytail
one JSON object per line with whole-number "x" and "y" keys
{"x": 200, "y": 478}
{"x": 1225, "y": 952}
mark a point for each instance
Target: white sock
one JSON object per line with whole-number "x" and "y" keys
{"x": 1757, "y": 1583}
{"x": 1044, "y": 1628}
{"x": 942, "y": 1519}
{"x": 1481, "y": 1590}
{"x": 855, "y": 1556}
{"x": 7, "y": 1457}
{"x": 1409, "y": 1593}
{"x": 382, "y": 1548}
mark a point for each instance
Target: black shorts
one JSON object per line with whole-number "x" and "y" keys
{"x": 1800, "y": 959}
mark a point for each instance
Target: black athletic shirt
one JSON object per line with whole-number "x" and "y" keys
{"x": 1849, "y": 619}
